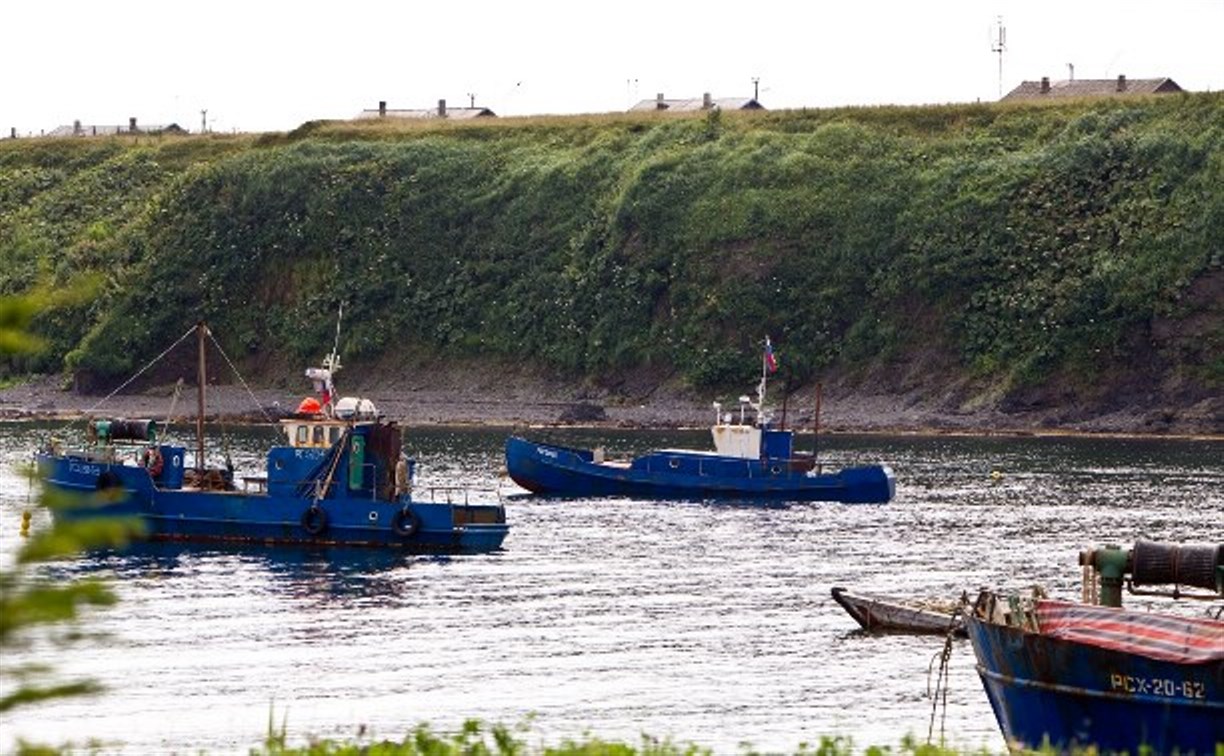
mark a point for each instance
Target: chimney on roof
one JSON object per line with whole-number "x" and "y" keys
{"x": 132, "y": 124}
{"x": 76, "y": 127}
{"x": 707, "y": 102}
{"x": 441, "y": 108}
{"x": 1121, "y": 82}
{"x": 659, "y": 104}
{"x": 382, "y": 108}
{"x": 1045, "y": 84}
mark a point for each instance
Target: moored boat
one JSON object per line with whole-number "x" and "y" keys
{"x": 1077, "y": 674}
{"x": 339, "y": 477}
{"x": 752, "y": 460}
{"x": 884, "y": 613}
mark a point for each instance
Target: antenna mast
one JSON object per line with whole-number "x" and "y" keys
{"x": 998, "y": 44}
{"x": 332, "y": 361}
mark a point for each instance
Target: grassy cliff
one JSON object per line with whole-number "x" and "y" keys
{"x": 1006, "y": 254}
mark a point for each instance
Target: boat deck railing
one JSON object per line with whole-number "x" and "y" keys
{"x": 454, "y": 495}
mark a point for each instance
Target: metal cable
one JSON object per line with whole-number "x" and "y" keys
{"x": 239, "y": 375}
{"x": 151, "y": 363}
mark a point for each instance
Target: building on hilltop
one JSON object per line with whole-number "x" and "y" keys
{"x": 1038, "y": 90}
{"x": 442, "y": 111}
{"x": 705, "y": 102}
{"x": 77, "y": 129}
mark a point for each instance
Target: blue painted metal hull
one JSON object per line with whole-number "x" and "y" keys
{"x": 560, "y": 471}
{"x": 1070, "y": 693}
{"x": 185, "y": 514}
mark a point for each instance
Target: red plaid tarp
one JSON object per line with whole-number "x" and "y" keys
{"x": 1184, "y": 640}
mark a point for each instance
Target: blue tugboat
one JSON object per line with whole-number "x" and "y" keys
{"x": 1075, "y": 675}
{"x": 340, "y": 478}
{"x": 751, "y": 461}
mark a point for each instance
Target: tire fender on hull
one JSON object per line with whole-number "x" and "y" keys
{"x": 314, "y": 520}
{"x": 406, "y": 523}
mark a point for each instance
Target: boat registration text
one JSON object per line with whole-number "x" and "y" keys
{"x": 1158, "y": 686}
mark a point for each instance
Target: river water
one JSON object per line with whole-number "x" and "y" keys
{"x": 710, "y": 624}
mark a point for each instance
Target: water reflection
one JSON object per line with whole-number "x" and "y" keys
{"x": 704, "y": 622}
{"x": 338, "y": 573}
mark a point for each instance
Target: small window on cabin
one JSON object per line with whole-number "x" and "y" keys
{"x": 318, "y": 434}
{"x": 333, "y": 435}
{"x": 303, "y": 435}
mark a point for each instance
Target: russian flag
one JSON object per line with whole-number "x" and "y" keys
{"x": 771, "y": 362}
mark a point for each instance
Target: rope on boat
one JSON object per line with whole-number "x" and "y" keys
{"x": 241, "y": 380}
{"x": 939, "y": 700}
{"x": 320, "y": 493}
{"x": 141, "y": 372}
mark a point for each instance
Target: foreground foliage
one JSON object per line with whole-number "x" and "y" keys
{"x": 1016, "y": 244}
{"x": 477, "y": 739}
{"x": 34, "y": 606}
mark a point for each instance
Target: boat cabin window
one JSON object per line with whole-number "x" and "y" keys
{"x": 303, "y": 436}
{"x": 333, "y": 435}
{"x": 318, "y": 435}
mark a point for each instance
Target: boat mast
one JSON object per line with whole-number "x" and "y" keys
{"x": 200, "y": 378}
{"x": 816, "y": 424}
{"x": 761, "y": 385}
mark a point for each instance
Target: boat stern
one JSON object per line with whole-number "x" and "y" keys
{"x": 870, "y": 484}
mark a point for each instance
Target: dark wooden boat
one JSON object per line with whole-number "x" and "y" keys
{"x": 884, "y": 613}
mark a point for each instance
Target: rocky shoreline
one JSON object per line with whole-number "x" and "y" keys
{"x": 545, "y": 403}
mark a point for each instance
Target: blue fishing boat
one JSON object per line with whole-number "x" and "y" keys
{"x": 339, "y": 477}
{"x": 1079, "y": 674}
{"x": 753, "y": 460}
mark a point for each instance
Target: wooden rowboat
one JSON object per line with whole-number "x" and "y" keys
{"x": 904, "y": 615}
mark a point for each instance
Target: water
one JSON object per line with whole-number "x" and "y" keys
{"x": 710, "y": 624}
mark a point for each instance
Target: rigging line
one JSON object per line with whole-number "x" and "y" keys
{"x": 229, "y": 362}
{"x": 940, "y": 696}
{"x": 141, "y": 372}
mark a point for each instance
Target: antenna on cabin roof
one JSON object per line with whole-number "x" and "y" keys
{"x": 998, "y": 44}
{"x": 756, "y": 87}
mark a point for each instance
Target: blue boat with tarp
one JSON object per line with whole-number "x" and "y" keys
{"x": 1074, "y": 675}
{"x": 339, "y": 477}
{"x": 752, "y": 460}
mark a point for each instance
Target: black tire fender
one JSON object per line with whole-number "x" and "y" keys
{"x": 406, "y": 523}
{"x": 107, "y": 480}
{"x": 314, "y": 519}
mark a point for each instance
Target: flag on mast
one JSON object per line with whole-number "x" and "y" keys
{"x": 771, "y": 362}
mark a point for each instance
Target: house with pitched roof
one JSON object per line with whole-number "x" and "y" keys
{"x": 78, "y": 129}
{"x": 705, "y": 102}
{"x": 1122, "y": 86}
{"x": 442, "y": 111}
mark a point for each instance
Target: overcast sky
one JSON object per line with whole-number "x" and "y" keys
{"x": 264, "y": 65}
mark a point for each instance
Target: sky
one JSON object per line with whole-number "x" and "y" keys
{"x": 271, "y": 65}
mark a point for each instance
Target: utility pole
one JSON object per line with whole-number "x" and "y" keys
{"x": 998, "y": 45}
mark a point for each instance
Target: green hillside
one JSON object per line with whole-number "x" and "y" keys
{"x": 1023, "y": 253}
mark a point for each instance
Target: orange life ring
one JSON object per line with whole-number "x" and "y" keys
{"x": 152, "y": 461}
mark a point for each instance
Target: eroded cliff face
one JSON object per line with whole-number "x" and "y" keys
{"x": 977, "y": 266}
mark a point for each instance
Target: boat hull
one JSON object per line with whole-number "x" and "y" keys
{"x": 560, "y": 471}
{"x": 877, "y": 613}
{"x": 1072, "y": 694}
{"x": 185, "y": 514}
